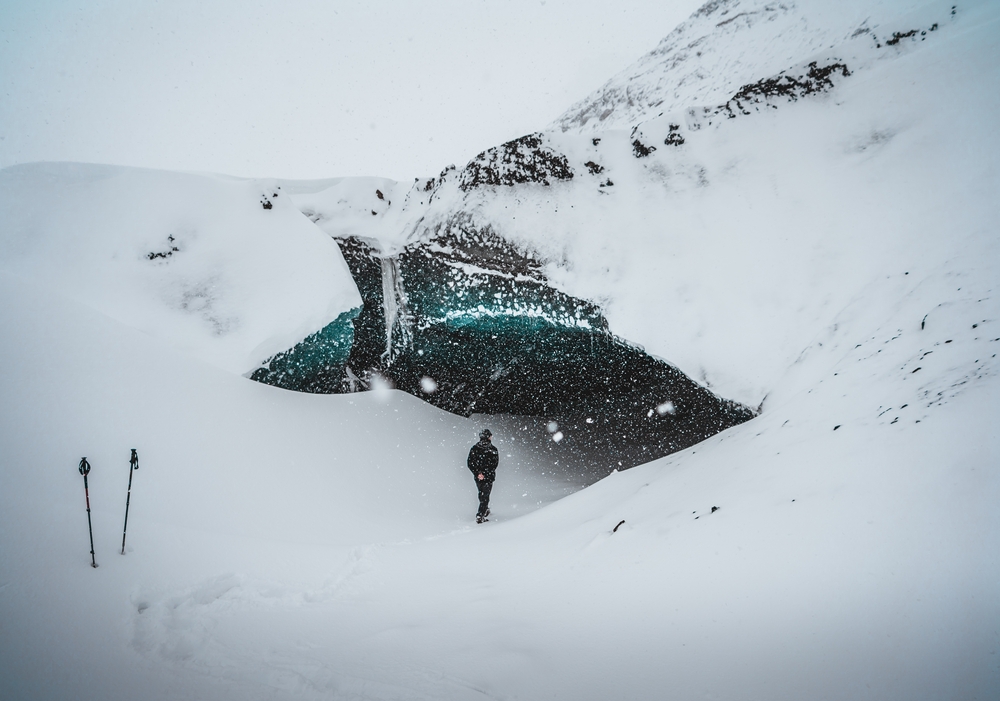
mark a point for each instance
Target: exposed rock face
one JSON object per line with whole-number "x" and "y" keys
{"x": 788, "y": 86}
{"x": 785, "y": 87}
{"x": 525, "y": 160}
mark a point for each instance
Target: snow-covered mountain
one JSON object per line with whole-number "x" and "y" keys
{"x": 811, "y": 231}
{"x": 726, "y": 44}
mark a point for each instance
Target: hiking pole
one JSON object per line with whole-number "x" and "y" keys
{"x": 133, "y": 465}
{"x": 85, "y": 470}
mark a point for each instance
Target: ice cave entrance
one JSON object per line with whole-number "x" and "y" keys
{"x": 469, "y": 324}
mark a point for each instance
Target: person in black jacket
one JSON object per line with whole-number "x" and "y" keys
{"x": 483, "y": 461}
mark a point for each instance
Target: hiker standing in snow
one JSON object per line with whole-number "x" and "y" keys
{"x": 483, "y": 461}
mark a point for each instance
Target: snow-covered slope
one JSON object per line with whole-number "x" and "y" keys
{"x": 835, "y": 256}
{"x": 231, "y": 473}
{"x": 195, "y": 260}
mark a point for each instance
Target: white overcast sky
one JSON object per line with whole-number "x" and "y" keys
{"x": 303, "y": 89}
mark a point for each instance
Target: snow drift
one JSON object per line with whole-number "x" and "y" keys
{"x": 225, "y": 269}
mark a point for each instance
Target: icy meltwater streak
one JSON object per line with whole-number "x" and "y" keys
{"x": 527, "y": 313}
{"x": 394, "y": 307}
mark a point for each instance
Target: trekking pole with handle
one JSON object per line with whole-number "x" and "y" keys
{"x": 133, "y": 465}
{"x": 85, "y": 470}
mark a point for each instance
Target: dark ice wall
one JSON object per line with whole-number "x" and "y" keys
{"x": 317, "y": 363}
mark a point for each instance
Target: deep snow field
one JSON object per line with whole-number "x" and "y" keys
{"x": 833, "y": 260}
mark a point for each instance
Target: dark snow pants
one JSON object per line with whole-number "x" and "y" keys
{"x": 485, "y": 487}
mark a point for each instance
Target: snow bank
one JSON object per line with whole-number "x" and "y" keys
{"x": 378, "y": 207}
{"x": 195, "y": 260}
